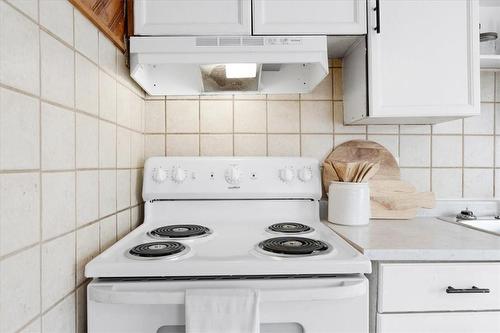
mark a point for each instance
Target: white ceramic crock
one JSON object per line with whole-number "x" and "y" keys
{"x": 349, "y": 203}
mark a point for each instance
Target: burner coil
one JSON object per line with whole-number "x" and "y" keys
{"x": 290, "y": 228}
{"x": 180, "y": 231}
{"x": 293, "y": 245}
{"x": 157, "y": 249}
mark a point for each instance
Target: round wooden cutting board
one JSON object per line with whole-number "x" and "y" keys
{"x": 369, "y": 151}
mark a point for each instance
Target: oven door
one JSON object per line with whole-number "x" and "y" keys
{"x": 312, "y": 305}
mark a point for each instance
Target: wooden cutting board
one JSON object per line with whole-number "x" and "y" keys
{"x": 391, "y": 198}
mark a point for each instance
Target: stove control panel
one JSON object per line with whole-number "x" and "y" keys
{"x": 231, "y": 178}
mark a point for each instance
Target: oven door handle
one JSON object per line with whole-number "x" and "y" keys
{"x": 110, "y": 295}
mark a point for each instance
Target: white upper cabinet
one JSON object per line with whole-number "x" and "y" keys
{"x": 192, "y": 17}
{"x": 314, "y": 17}
{"x": 423, "y": 63}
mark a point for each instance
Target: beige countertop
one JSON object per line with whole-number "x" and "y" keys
{"x": 420, "y": 239}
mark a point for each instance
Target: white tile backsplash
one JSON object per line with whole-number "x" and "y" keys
{"x": 283, "y": 117}
{"x": 58, "y": 160}
{"x": 478, "y": 183}
{"x": 447, "y": 183}
{"x": 250, "y": 144}
{"x": 19, "y": 62}
{"x": 216, "y": 116}
{"x": 478, "y": 151}
{"x": 20, "y": 213}
{"x": 316, "y": 116}
{"x": 19, "y": 131}
{"x": 58, "y": 203}
{"x": 57, "y": 71}
{"x": 250, "y": 116}
{"x": 447, "y": 151}
{"x": 482, "y": 124}
{"x": 58, "y": 269}
{"x": 415, "y": 151}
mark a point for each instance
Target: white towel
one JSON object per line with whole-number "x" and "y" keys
{"x": 222, "y": 311}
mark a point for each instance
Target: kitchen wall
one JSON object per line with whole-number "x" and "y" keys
{"x": 71, "y": 153}
{"x": 457, "y": 159}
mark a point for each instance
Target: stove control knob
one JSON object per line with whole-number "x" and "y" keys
{"x": 305, "y": 174}
{"x": 232, "y": 175}
{"x": 178, "y": 175}
{"x": 287, "y": 174}
{"x": 159, "y": 175}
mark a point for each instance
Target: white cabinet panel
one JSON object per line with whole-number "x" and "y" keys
{"x": 192, "y": 17}
{"x": 422, "y": 287}
{"x": 458, "y": 322}
{"x": 338, "y": 17}
{"x": 424, "y": 61}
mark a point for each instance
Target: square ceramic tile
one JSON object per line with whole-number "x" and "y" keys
{"x": 122, "y": 189}
{"x": 339, "y": 139}
{"x": 482, "y": 124}
{"x": 137, "y": 113}
{"x": 283, "y": 145}
{"x": 107, "y": 192}
{"x": 415, "y": 151}
{"x": 87, "y": 247}
{"x": 323, "y": 91}
{"x": 487, "y": 86}
{"x": 414, "y": 129}
{"x": 87, "y": 196}
{"x": 497, "y": 84}
{"x": 58, "y": 269}
{"x": 446, "y": 151}
{"x": 250, "y": 97}
{"x": 177, "y": 97}
{"x": 136, "y": 150}
{"x": 136, "y": 217}
{"x": 420, "y": 178}
{"x": 123, "y": 105}
{"x": 107, "y": 145}
{"x": 283, "y": 97}
{"x": 216, "y": 145}
{"x": 58, "y": 203}
{"x": 478, "y": 183}
{"x": 339, "y": 127}
{"x": 87, "y": 141}
{"x": 20, "y": 213}
{"x": 123, "y": 147}
{"x": 61, "y": 318}
{"x": 183, "y": 145}
{"x": 478, "y": 151}
{"x": 86, "y": 37}
{"x": 183, "y": 116}
{"x": 154, "y": 145}
{"x": 155, "y": 117}
{"x": 250, "y": 145}
{"x": 57, "y": 71}
{"x": 316, "y": 116}
{"x": 390, "y": 142}
{"x": 497, "y": 151}
{"x": 338, "y": 93}
{"x": 86, "y": 86}
{"x": 447, "y": 183}
{"x": 497, "y": 183}
{"x": 383, "y": 129}
{"x": 449, "y": 127}
{"x": 19, "y": 131}
{"x": 19, "y": 62}
{"x": 58, "y": 138}
{"x": 216, "y": 97}
{"x": 107, "y": 54}
{"x": 57, "y": 17}
{"x": 20, "y": 300}
{"x": 283, "y": 117}
{"x": 28, "y": 7}
{"x": 497, "y": 117}
{"x": 122, "y": 223}
{"x": 317, "y": 146}
{"x": 250, "y": 116}
{"x": 135, "y": 186}
{"x": 107, "y": 230}
{"x": 107, "y": 97}
{"x": 216, "y": 116}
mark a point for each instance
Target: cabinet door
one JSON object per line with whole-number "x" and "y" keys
{"x": 193, "y": 17}
{"x": 423, "y": 58}
{"x": 294, "y": 17}
{"x": 439, "y": 322}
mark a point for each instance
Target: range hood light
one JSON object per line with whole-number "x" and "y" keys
{"x": 241, "y": 71}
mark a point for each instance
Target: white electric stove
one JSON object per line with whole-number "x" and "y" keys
{"x": 230, "y": 223}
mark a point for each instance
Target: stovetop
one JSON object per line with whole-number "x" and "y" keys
{"x": 222, "y": 216}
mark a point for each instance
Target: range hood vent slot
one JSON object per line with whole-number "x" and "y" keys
{"x": 206, "y": 41}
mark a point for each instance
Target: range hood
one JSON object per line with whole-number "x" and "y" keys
{"x": 226, "y": 65}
